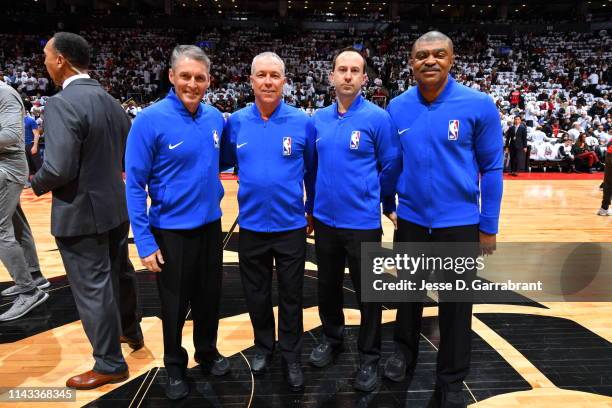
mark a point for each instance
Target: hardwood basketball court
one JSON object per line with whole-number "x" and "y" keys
{"x": 540, "y": 355}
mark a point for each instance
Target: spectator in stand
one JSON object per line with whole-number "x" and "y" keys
{"x": 516, "y": 145}
{"x": 32, "y": 136}
{"x": 575, "y": 131}
{"x": 565, "y": 154}
{"x": 583, "y": 152}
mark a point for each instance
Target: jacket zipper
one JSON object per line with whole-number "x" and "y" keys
{"x": 429, "y": 155}
{"x": 334, "y": 151}
{"x": 266, "y": 170}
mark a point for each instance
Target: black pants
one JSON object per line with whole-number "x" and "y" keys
{"x": 34, "y": 161}
{"x": 191, "y": 275}
{"x": 455, "y": 319}
{"x": 607, "y": 183}
{"x": 517, "y": 162}
{"x": 333, "y": 246}
{"x": 104, "y": 288}
{"x": 256, "y": 252}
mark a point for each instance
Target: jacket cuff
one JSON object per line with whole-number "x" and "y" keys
{"x": 308, "y": 207}
{"x": 389, "y": 205}
{"x": 489, "y": 225}
{"x": 146, "y": 246}
{"x": 36, "y": 189}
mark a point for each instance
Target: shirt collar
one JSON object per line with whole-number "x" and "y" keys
{"x": 68, "y": 81}
{"x": 351, "y": 109}
{"x": 257, "y": 114}
{"x": 181, "y": 106}
{"x": 450, "y": 84}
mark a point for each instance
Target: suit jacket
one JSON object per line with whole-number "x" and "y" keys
{"x": 85, "y": 135}
{"x": 518, "y": 140}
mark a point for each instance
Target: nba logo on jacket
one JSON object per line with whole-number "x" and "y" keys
{"x": 355, "y": 135}
{"x": 453, "y": 129}
{"x": 216, "y": 138}
{"x": 287, "y": 146}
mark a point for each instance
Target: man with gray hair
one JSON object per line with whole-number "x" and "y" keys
{"x": 273, "y": 145}
{"x": 575, "y": 131}
{"x": 17, "y": 250}
{"x": 173, "y": 158}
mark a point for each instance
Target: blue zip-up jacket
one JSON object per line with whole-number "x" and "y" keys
{"x": 276, "y": 162}
{"x": 359, "y": 160}
{"x": 173, "y": 155}
{"x": 446, "y": 145}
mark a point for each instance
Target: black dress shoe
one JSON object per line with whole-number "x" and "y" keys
{"x": 367, "y": 378}
{"x": 295, "y": 376}
{"x": 176, "y": 388}
{"x": 395, "y": 368}
{"x": 218, "y": 366}
{"x": 259, "y": 363}
{"x": 135, "y": 344}
{"x": 323, "y": 354}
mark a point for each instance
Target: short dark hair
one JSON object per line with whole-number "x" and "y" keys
{"x": 349, "y": 49}
{"x": 74, "y": 48}
{"x": 431, "y": 36}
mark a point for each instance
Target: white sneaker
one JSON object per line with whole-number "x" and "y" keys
{"x": 603, "y": 212}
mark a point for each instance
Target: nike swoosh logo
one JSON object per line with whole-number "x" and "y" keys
{"x": 240, "y": 145}
{"x": 399, "y": 132}
{"x": 175, "y": 146}
{"x": 317, "y": 140}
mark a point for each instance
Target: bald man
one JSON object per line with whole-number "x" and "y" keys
{"x": 457, "y": 128}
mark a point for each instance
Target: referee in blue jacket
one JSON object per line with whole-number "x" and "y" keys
{"x": 172, "y": 155}
{"x": 449, "y": 190}
{"x": 273, "y": 145}
{"x": 359, "y": 161}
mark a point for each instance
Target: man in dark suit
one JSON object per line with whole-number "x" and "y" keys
{"x": 86, "y": 131}
{"x": 516, "y": 145}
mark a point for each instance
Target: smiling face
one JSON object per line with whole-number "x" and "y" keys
{"x": 267, "y": 81}
{"x": 431, "y": 62}
{"x": 191, "y": 80}
{"x": 348, "y": 75}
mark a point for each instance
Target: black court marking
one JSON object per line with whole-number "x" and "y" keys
{"x": 568, "y": 354}
{"x": 490, "y": 374}
{"x": 330, "y": 386}
{"x": 57, "y": 311}
{"x": 60, "y": 308}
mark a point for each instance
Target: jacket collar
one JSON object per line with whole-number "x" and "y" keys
{"x": 448, "y": 89}
{"x": 180, "y": 107}
{"x": 357, "y": 102}
{"x": 275, "y": 113}
{"x": 82, "y": 81}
